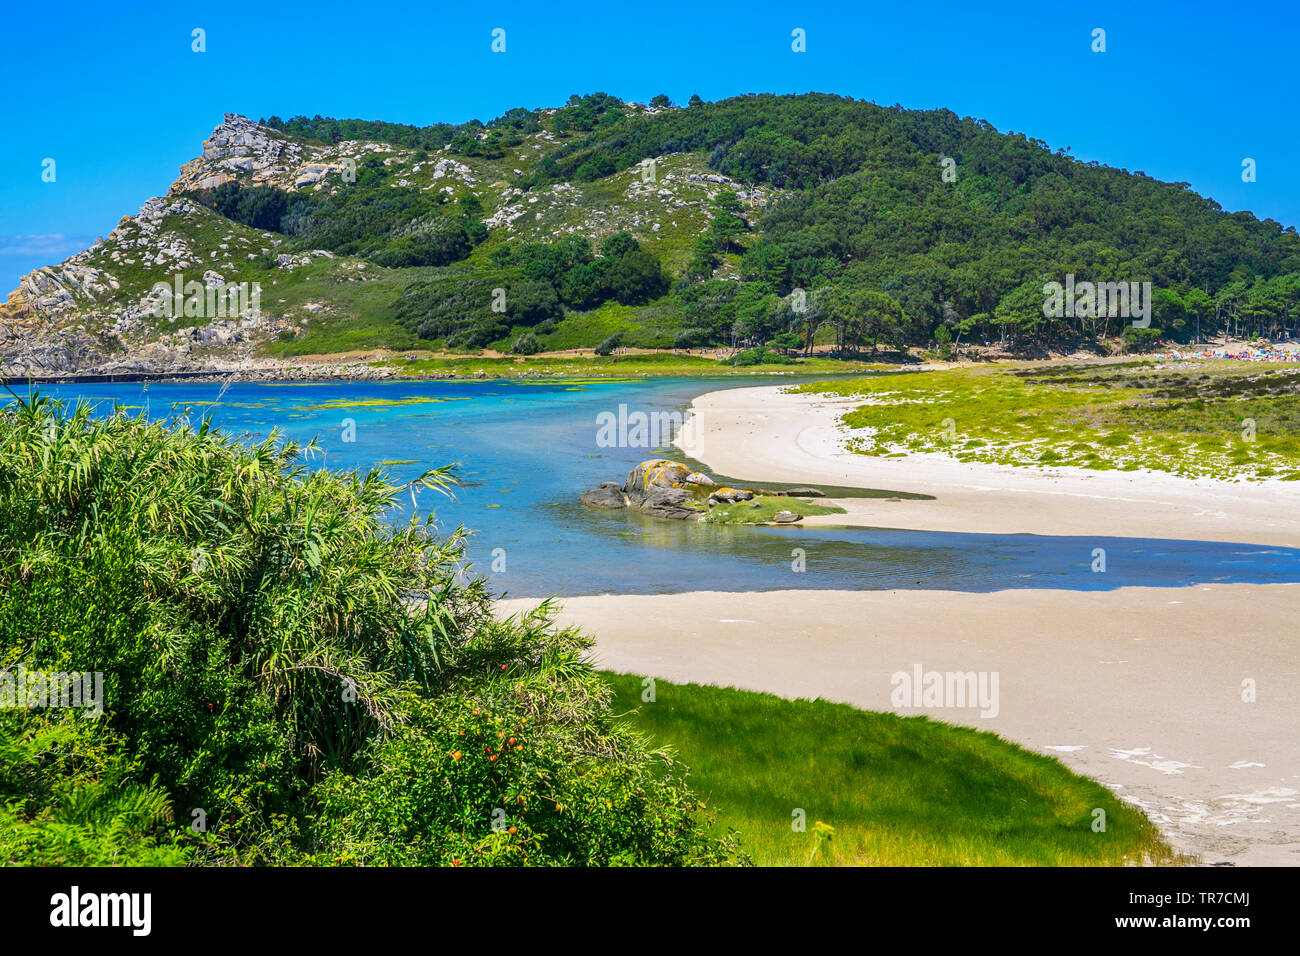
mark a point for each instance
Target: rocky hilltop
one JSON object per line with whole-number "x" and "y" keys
{"x": 86, "y": 315}
{"x": 239, "y": 149}
{"x": 94, "y": 313}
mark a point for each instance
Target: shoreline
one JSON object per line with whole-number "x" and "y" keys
{"x": 764, "y": 434}
{"x": 1138, "y": 688}
{"x": 377, "y": 373}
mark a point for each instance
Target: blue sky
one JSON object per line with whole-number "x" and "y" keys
{"x": 114, "y": 94}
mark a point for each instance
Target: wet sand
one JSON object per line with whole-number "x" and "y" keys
{"x": 1138, "y": 688}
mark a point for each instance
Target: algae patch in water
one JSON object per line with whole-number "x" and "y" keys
{"x": 200, "y": 401}
{"x": 380, "y": 402}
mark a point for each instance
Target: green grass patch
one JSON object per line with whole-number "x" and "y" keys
{"x": 763, "y": 509}
{"x": 897, "y": 791}
{"x": 1218, "y": 419}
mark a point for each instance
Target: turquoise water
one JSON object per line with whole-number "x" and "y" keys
{"x": 528, "y": 449}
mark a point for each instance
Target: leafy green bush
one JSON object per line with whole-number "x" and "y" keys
{"x": 320, "y": 685}
{"x": 70, "y": 796}
{"x": 636, "y": 277}
{"x": 1141, "y": 340}
{"x": 526, "y": 344}
{"x": 761, "y": 356}
{"x": 594, "y": 169}
{"x": 692, "y": 338}
{"x": 459, "y": 307}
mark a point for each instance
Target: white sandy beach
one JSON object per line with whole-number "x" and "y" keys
{"x": 1139, "y": 688}
{"x": 768, "y": 434}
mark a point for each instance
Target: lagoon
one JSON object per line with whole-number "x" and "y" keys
{"x": 526, "y": 450}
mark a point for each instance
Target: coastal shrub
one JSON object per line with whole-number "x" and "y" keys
{"x": 287, "y": 675}
{"x": 636, "y": 277}
{"x": 691, "y": 338}
{"x": 457, "y": 307}
{"x": 526, "y": 344}
{"x": 761, "y": 356}
{"x": 1141, "y": 340}
{"x": 438, "y": 241}
{"x": 607, "y": 346}
{"x": 594, "y": 169}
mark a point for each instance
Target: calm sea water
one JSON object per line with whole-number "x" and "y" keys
{"x": 528, "y": 449}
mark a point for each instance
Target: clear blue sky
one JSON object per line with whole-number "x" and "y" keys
{"x": 115, "y": 96}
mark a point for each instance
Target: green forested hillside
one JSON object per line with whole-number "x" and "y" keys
{"x": 759, "y": 223}
{"x": 862, "y": 218}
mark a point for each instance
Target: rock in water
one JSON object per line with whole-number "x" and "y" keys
{"x": 605, "y": 495}
{"x": 655, "y": 472}
{"x": 660, "y": 502}
{"x": 657, "y": 487}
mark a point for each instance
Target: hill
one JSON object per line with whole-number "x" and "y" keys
{"x": 753, "y": 221}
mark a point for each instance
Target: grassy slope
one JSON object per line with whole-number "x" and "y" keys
{"x": 1191, "y": 418}
{"x": 199, "y": 237}
{"x": 896, "y": 790}
{"x": 665, "y": 215}
{"x": 355, "y": 296}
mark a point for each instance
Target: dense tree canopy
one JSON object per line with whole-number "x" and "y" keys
{"x": 865, "y": 188}
{"x": 959, "y": 225}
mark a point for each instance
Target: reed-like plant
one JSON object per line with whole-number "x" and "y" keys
{"x": 287, "y": 662}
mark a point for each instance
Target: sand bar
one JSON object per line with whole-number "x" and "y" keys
{"x": 769, "y": 434}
